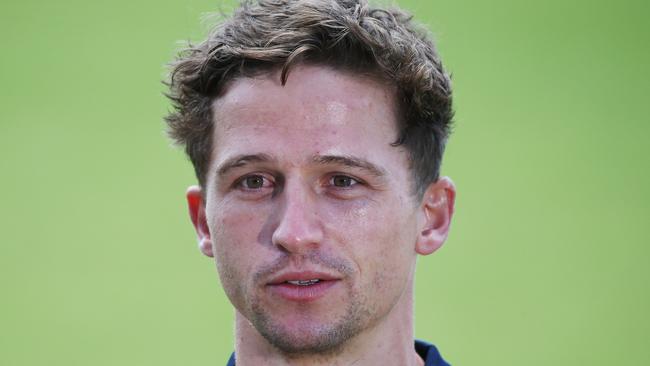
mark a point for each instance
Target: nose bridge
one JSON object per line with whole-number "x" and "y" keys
{"x": 298, "y": 227}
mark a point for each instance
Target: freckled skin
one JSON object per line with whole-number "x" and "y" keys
{"x": 366, "y": 234}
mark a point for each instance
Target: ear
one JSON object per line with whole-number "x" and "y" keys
{"x": 437, "y": 208}
{"x": 197, "y": 214}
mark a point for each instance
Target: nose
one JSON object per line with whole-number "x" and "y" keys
{"x": 298, "y": 228}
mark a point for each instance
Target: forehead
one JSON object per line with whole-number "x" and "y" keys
{"x": 319, "y": 110}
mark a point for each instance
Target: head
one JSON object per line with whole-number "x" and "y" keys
{"x": 316, "y": 130}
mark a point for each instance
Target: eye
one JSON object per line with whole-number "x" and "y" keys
{"x": 343, "y": 181}
{"x": 254, "y": 182}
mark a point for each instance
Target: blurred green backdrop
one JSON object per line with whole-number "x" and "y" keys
{"x": 548, "y": 258}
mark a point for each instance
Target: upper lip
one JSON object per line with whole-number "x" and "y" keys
{"x": 302, "y": 276}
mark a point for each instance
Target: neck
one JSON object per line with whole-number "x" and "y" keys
{"x": 389, "y": 342}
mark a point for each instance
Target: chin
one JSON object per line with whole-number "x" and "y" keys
{"x": 308, "y": 335}
{"x": 322, "y": 340}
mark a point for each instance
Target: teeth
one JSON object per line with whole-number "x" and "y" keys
{"x": 304, "y": 282}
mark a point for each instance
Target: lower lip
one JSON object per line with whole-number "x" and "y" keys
{"x": 303, "y": 293}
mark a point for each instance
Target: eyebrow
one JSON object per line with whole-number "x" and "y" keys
{"x": 241, "y": 160}
{"x": 350, "y": 161}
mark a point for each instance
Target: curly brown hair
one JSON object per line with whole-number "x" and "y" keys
{"x": 349, "y": 35}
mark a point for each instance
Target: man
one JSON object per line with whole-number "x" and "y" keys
{"x": 316, "y": 129}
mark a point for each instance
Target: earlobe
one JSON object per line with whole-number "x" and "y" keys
{"x": 196, "y": 207}
{"x": 437, "y": 210}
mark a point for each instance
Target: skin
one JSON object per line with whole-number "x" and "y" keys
{"x": 321, "y": 189}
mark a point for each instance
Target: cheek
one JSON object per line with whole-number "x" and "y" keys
{"x": 234, "y": 236}
{"x": 383, "y": 253}
{"x": 377, "y": 235}
{"x": 234, "y": 229}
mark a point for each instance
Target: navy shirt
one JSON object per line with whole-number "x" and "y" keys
{"x": 427, "y": 351}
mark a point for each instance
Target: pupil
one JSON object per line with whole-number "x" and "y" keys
{"x": 254, "y": 182}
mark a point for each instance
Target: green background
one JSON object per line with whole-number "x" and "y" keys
{"x": 547, "y": 263}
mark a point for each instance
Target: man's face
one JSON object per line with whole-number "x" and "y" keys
{"x": 309, "y": 208}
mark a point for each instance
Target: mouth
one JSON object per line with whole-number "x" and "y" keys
{"x": 303, "y": 286}
{"x": 304, "y": 282}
